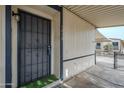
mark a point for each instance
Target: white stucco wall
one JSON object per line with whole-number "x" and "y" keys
{"x": 78, "y": 40}
{"x": 2, "y": 46}
{"x": 48, "y": 13}
{"x": 119, "y": 45}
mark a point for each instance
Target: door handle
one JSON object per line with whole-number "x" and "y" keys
{"x": 49, "y": 50}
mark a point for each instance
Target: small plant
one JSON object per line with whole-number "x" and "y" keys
{"x": 41, "y": 82}
{"x": 108, "y": 47}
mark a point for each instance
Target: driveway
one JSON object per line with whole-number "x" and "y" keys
{"x": 101, "y": 75}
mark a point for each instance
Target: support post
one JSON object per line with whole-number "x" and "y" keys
{"x": 61, "y": 43}
{"x": 115, "y": 60}
{"x": 95, "y": 57}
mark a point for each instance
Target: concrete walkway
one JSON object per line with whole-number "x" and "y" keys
{"x": 101, "y": 75}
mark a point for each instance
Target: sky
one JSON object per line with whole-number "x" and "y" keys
{"x": 113, "y": 32}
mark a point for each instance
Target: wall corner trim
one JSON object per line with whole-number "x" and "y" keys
{"x": 56, "y": 7}
{"x": 8, "y": 68}
{"x": 60, "y": 9}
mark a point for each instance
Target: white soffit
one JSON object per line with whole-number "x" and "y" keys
{"x": 100, "y": 15}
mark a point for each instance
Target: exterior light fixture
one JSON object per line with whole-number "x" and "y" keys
{"x": 16, "y": 15}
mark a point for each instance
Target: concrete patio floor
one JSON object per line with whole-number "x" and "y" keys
{"x": 102, "y": 75}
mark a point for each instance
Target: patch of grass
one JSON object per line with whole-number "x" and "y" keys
{"x": 41, "y": 82}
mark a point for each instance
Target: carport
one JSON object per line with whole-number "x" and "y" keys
{"x": 100, "y": 16}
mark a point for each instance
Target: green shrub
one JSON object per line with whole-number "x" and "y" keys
{"x": 41, "y": 82}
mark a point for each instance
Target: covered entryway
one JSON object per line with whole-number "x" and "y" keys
{"x": 98, "y": 75}
{"x": 73, "y": 40}
{"x": 34, "y": 47}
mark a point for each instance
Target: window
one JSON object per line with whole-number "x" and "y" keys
{"x": 115, "y": 45}
{"x": 98, "y": 46}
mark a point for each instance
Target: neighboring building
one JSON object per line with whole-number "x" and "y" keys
{"x": 117, "y": 45}
{"x": 101, "y": 40}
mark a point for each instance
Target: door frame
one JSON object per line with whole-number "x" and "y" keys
{"x": 18, "y": 43}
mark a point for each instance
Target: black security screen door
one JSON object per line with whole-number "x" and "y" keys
{"x": 34, "y": 47}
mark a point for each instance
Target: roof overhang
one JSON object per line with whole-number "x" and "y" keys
{"x": 101, "y": 38}
{"x": 99, "y": 15}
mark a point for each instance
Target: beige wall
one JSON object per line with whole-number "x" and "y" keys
{"x": 122, "y": 47}
{"x": 56, "y": 45}
{"x": 48, "y": 13}
{"x": 2, "y": 46}
{"x": 78, "y": 40}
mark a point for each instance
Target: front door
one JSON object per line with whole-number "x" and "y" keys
{"x": 34, "y": 47}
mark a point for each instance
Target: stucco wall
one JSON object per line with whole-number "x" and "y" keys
{"x": 78, "y": 40}
{"x": 56, "y": 45}
{"x": 48, "y": 13}
{"x": 2, "y": 46}
{"x": 119, "y": 45}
